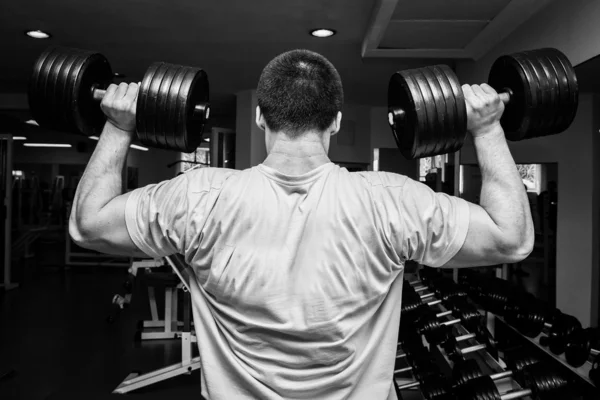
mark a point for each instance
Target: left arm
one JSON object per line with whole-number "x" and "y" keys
{"x": 97, "y": 218}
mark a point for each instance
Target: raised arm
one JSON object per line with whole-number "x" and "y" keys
{"x": 501, "y": 227}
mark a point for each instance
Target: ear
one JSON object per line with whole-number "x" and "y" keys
{"x": 260, "y": 119}
{"x": 337, "y": 123}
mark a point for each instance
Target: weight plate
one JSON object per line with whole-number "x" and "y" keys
{"x": 66, "y": 87}
{"x": 46, "y": 118}
{"x": 505, "y": 73}
{"x": 143, "y": 98}
{"x": 554, "y": 92}
{"x": 563, "y": 94}
{"x": 172, "y": 105}
{"x": 430, "y": 112}
{"x": 194, "y": 91}
{"x": 56, "y": 94}
{"x": 460, "y": 125}
{"x": 545, "y": 90}
{"x": 152, "y": 112}
{"x": 536, "y": 101}
{"x": 34, "y": 95}
{"x": 578, "y": 347}
{"x": 440, "y": 135}
{"x": 405, "y": 130}
{"x": 450, "y": 104}
{"x": 573, "y": 88}
{"x": 163, "y": 131}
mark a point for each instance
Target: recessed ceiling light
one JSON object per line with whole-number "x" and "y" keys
{"x": 32, "y": 122}
{"x": 322, "y": 33}
{"x": 46, "y": 145}
{"x": 94, "y": 137}
{"x": 37, "y": 34}
{"x": 19, "y": 138}
{"x": 207, "y": 139}
{"x": 119, "y": 75}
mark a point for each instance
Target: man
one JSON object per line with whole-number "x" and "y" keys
{"x": 298, "y": 263}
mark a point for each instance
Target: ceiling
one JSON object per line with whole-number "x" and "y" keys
{"x": 233, "y": 40}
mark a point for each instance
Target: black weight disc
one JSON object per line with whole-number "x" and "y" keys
{"x": 573, "y": 88}
{"x": 143, "y": 98}
{"x": 466, "y": 370}
{"x": 563, "y": 97}
{"x": 461, "y": 106}
{"x": 66, "y": 87}
{"x": 47, "y": 117}
{"x": 153, "y": 112}
{"x": 545, "y": 90}
{"x": 578, "y": 347}
{"x": 163, "y": 98}
{"x": 53, "y": 93}
{"x": 506, "y": 72}
{"x": 429, "y": 111}
{"x": 438, "y": 106}
{"x": 194, "y": 91}
{"x": 536, "y": 101}
{"x": 403, "y": 94}
{"x": 554, "y": 91}
{"x": 172, "y": 105}
{"x": 34, "y": 96}
{"x": 95, "y": 72}
{"x": 445, "y": 76}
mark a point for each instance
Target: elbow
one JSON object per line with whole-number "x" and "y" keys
{"x": 518, "y": 250}
{"x": 81, "y": 233}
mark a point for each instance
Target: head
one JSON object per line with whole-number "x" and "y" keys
{"x": 299, "y": 95}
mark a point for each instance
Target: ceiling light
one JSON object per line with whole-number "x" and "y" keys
{"x": 322, "y": 33}
{"x": 207, "y": 139}
{"x": 135, "y": 146}
{"x": 94, "y": 137}
{"x": 46, "y": 145}
{"x": 32, "y": 122}
{"x": 19, "y": 138}
{"x": 38, "y": 34}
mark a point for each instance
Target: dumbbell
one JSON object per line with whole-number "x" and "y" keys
{"x": 67, "y": 85}
{"x": 539, "y": 383}
{"x": 427, "y": 110}
{"x": 560, "y": 332}
{"x": 466, "y": 370}
{"x": 581, "y": 343}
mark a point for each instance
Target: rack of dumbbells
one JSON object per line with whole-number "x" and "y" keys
{"x": 560, "y": 336}
{"x": 450, "y": 353}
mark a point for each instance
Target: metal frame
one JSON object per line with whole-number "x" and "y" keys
{"x": 7, "y": 165}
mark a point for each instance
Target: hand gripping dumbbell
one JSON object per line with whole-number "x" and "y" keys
{"x": 67, "y": 86}
{"x": 427, "y": 110}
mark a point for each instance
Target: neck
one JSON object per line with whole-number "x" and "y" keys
{"x": 297, "y": 156}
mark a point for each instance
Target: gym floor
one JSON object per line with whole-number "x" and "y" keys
{"x": 55, "y": 336}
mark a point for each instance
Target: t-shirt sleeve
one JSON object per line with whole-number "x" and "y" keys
{"x": 156, "y": 217}
{"x": 434, "y": 225}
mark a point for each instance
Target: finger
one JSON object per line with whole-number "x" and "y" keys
{"x": 488, "y": 89}
{"x": 109, "y": 95}
{"x": 121, "y": 91}
{"x": 471, "y": 99}
{"x": 479, "y": 92}
{"x": 131, "y": 94}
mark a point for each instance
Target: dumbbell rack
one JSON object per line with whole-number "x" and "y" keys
{"x": 582, "y": 372}
{"x": 485, "y": 360}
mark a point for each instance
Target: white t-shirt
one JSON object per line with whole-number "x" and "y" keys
{"x": 298, "y": 278}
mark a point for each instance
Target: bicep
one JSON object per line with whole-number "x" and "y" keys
{"x": 481, "y": 246}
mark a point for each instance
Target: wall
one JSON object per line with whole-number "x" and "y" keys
{"x": 563, "y": 25}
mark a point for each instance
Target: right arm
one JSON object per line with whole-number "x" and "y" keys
{"x": 501, "y": 227}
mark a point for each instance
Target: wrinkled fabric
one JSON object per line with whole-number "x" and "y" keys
{"x": 298, "y": 278}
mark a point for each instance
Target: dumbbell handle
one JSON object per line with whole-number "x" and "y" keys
{"x": 471, "y": 349}
{"x": 399, "y": 114}
{"x": 201, "y": 110}
{"x": 458, "y": 339}
{"x": 516, "y": 395}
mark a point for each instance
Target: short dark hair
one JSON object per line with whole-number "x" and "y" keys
{"x": 298, "y": 91}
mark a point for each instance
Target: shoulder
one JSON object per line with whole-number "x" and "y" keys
{"x": 204, "y": 179}
{"x": 382, "y": 179}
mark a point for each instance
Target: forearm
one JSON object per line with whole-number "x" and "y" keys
{"x": 503, "y": 196}
{"x": 102, "y": 180}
